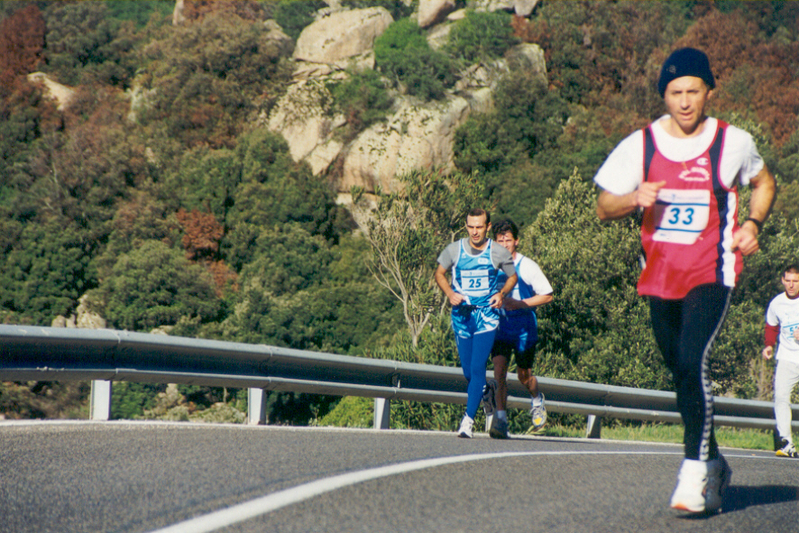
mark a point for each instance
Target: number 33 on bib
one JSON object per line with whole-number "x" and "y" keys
{"x": 681, "y": 215}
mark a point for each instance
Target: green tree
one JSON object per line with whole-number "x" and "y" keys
{"x": 206, "y": 180}
{"x": 288, "y": 260}
{"x": 362, "y": 98}
{"x": 300, "y": 293}
{"x": 85, "y": 43}
{"x": 140, "y": 11}
{"x": 407, "y": 231}
{"x": 210, "y": 77}
{"x": 597, "y": 328}
{"x": 275, "y": 190}
{"x": 506, "y": 144}
{"x": 145, "y": 216}
{"x": 155, "y": 285}
{"x": 129, "y": 400}
{"x": 527, "y": 119}
{"x": 46, "y": 270}
{"x": 80, "y": 175}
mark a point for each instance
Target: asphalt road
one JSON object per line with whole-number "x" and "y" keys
{"x": 144, "y": 477}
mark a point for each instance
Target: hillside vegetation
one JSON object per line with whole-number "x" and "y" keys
{"x": 158, "y": 195}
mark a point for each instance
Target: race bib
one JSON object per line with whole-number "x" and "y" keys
{"x": 474, "y": 282}
{"x": 790, "y": 328}
{"x": 681, "y": 215}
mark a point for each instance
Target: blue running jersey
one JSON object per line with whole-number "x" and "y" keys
{"x": 520, "y": 327}
{"x": 475, "y": 277}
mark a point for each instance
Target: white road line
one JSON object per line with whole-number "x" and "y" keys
{"x": 266, "y": 504}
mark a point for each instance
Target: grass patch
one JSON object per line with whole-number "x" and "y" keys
{"x": 752, "y": 439}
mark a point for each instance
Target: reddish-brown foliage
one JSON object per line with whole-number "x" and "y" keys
{"x": 224, "y": 277}
{"x": 197, "y": 9}
{"x": 21, "y": 45}
{"x": 750, "y": 73}
{"x": 202, "y": 234}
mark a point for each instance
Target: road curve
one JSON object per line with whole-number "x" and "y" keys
{"x": 180, "y": 477}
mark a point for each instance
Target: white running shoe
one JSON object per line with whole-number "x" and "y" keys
{"x": 689, "y": 495}
{"x": 719, "y": 475}
{"x": 539, "y": 414}
{"x": 466, "y": 431}
{"x": 787, "y": 449}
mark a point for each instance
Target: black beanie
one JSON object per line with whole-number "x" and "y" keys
{"x": 685, "y": 62}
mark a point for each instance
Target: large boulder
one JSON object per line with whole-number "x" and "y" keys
{"x": 275, "y": 34}
{"x": 342, "y": 37}
{"x": 522, "y": 8}
{"x": 431, "y": 12}
{"x": 178, "y": 17}
{"x": 528, "y": 56}
{"x": 302, "y": 119}
{"x": 416, "y": 136}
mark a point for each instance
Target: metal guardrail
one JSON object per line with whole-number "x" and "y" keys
{"x": 32, "y": 353}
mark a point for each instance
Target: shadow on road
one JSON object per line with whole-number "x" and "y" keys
{"x": 739, "y": 498}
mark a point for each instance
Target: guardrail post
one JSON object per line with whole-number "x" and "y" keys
{"x": 100, "y": 400}
{"x": 256, "y": 407}
{"x": 382, "y": 413}
{"x": 594, "y": 428}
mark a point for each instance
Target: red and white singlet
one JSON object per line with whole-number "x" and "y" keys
{"x": 687, "y": 235}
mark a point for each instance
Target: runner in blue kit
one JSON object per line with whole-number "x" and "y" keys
{"x": 517, "y": 333}
{"x": 476, "y": 297}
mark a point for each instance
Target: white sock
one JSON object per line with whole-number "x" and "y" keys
{"x": 538, "y": 400}
{"x": 502, "y": 415}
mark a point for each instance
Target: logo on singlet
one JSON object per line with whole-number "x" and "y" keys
{"x": 694, "y": 174}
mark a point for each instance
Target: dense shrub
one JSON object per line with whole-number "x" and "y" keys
{"x": 403, "y": 54}
{"x": 481, "y": 36}
{"x": 294, "y": 15}
{"x": 362, "y": 98}
{"x": 155, "y": 285}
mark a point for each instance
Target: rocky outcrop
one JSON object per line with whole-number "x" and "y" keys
{"x": 60, "y": 93}
{"x": 302, "y": 119}
{"x": 416, "y": 135}
{"x": 340, "y": 40}
{"x": 432, "y": 12}
{"x": 529, "y": 57}
{"x": 178, "y": 17}
{"x": 522, "y": 8}
{"x": 83, "y": 318}
{"x": 275, "y": 34}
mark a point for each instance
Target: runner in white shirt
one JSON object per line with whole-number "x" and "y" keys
{"x": 782, "y": 329}
{"x": 517, "y": 333}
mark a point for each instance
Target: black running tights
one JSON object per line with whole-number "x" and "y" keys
{"x": 685, "y": 330}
